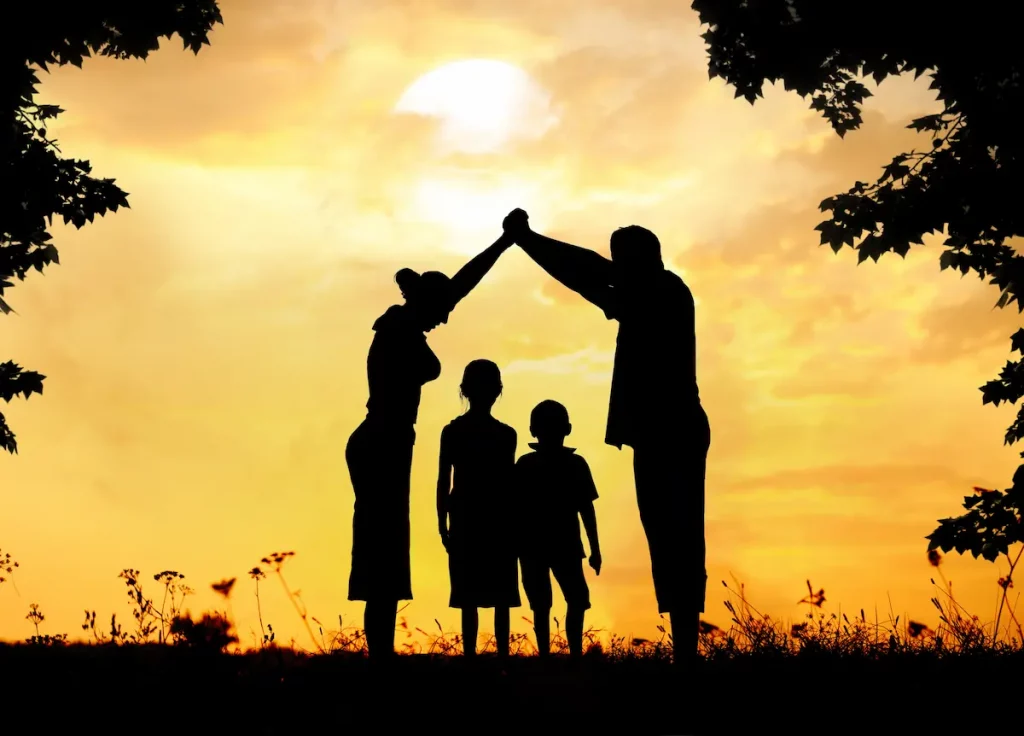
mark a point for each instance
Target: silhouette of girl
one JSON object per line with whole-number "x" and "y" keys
{"x": 379, "y": 452}
{"x": 473, "y": 513}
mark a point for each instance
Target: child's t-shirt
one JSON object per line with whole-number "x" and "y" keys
{"x": 554, "y": 484}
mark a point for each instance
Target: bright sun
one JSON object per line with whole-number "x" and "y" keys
{"x": 482, "y": 104}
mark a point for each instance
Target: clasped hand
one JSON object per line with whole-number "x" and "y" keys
{"x": 516, "y": 224}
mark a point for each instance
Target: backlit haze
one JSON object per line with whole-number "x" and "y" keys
{"x": 205, "y": 350}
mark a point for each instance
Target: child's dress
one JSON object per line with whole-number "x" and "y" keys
{"x": 482, "y": 561}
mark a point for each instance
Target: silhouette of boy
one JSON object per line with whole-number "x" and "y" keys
{"x": 559, "y": 490}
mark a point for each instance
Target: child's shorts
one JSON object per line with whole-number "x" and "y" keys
{"x": 568, "y": 572}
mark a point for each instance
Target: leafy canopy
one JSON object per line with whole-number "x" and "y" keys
{"x": 39, "y": 183}
{"x": 966, "y": 181}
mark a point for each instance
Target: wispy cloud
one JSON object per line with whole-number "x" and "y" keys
{"x": 591, "y": 364}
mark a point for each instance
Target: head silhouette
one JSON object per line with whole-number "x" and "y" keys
{"x": 481, "y": 384}
{"x": 636, "y": 253}
{"x": 427, "y": 296}
{"x": 549, "y": 422}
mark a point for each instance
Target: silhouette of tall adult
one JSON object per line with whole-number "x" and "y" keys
{"x": 379, "y": 452}
{"x": 654, "y": 406}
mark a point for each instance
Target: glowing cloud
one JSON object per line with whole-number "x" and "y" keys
{"x": 482, "y": 104}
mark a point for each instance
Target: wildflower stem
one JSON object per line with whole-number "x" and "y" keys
{"x": 1006, "y": 587}
{"x": 301, "y": 612}
{"x": 259, "y": 612}
{"x": 164, "y": 601}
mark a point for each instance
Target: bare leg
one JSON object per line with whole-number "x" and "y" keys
{"x": 685, "y": 637}
{"x": 502, "y": 625}
{"x": 470, "y": 626}
{"x": 542, "y": 627}
{"x": 574, "y": 630}
{"x": 379, "y": 622}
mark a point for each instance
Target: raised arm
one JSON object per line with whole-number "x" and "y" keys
{"x": 471, "y": 274}
{"x": 587, "y": 273}
{"x": 444, "y": 486}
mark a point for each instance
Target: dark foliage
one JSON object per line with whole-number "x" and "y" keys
{"x": 965, "y": 183}
{"x": 211, "y": 633}
{"x": 38, "y": 182}
{"x": 990, "y": 527}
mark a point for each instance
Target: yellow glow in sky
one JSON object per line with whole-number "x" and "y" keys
{"x": 205, "y": 350}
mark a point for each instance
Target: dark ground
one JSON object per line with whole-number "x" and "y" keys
{"x": 161, "y": 689}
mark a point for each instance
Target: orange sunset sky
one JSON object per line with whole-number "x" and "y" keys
{"x": 205, "y": 350}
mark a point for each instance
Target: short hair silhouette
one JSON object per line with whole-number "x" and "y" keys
{"x": 637, "y": 245}
{"x": 549, "y": 417}
{"x": 481, "y": 381}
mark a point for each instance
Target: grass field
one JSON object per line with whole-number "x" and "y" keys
{"x": 158, "y": 688}
{"x": 168, "y": 673}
